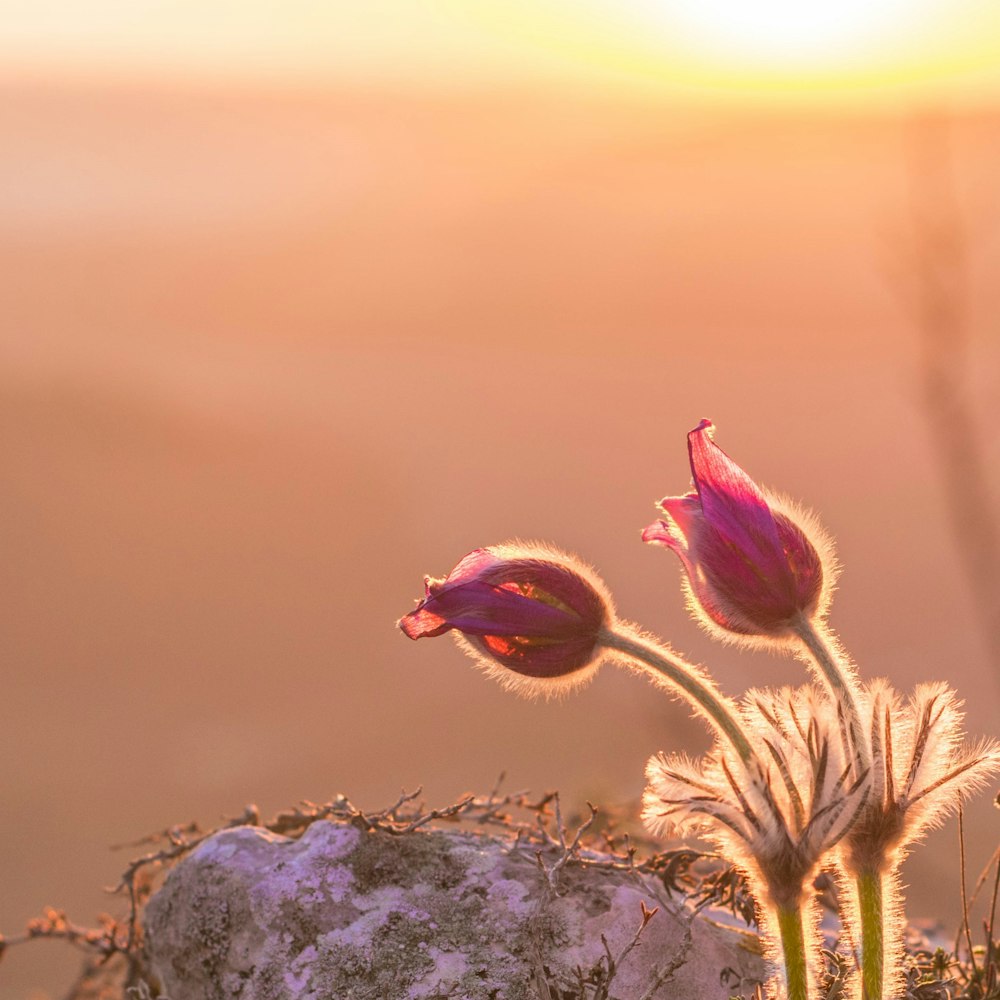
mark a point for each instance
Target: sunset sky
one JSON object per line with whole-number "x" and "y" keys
{"x": 304, "y": 299}
{"x": 774, "y": 49}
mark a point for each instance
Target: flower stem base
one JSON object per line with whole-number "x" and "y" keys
{"x": 793, "y": 947}
{"x": 870, "y": 905}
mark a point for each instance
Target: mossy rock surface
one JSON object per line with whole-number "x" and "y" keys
{"x": 347, "y": 914}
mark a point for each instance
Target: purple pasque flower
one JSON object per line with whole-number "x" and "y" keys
{"x": 751, "y": 569}
{"x": 528, "y": 609}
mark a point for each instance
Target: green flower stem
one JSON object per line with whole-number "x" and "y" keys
{"x": 870, "y": 900}
{"x": 793, "y": 947}
{"x": 869, "y": 883}
{"x": 662, "y": 664}
{"x": 836, "y": 671}
{"x": 821, "y": 651}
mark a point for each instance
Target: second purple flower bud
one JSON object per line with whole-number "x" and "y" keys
{"x": 751, "y": 569}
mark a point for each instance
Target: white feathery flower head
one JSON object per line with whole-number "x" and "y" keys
{"x": 780, "y": 813}
{"x": 921, "y": 769}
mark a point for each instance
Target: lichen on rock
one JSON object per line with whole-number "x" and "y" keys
{"x": 345, "y": 913}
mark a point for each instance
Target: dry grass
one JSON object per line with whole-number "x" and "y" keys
{"x": 115, "y": 968}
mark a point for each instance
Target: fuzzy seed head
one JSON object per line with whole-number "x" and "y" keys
{"x": 778, "y": 815}
{"x": 921, "y": 770}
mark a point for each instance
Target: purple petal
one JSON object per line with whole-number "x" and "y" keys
{"x": 661, "y": 533}
{"x": 479, "y": 608}
{"x": 538, "y": 660}
{"x": 732, "y": 502}
{"x": 422, "y": 624}
{"x": 550, "y": 583}
{"x": 470, "y": 567}
{"x": 804, "y": 564}
{"x": 749, "y": 567}
{"x": 686, "y": 512}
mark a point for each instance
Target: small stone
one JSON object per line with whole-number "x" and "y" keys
{"x": 344, "y": 914}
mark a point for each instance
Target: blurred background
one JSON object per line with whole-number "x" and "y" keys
{"x": 305, "y": 300}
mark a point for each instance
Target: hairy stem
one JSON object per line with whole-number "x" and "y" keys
{"x": 870, "y": 906}
{"x": 823, "y": 653}
{"x": 838, "y": 674}
{"x": 665, "y": 667}
{"x": 793, "y": 948}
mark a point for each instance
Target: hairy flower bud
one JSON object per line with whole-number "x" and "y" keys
{"x": 751, "y": 569}
{"x": 528, "y": 614}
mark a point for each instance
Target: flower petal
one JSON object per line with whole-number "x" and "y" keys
{"x": 422, "y": 624}
{"x": 531, "y": 610}
{"x": 479, "y": 608}
{"x": 732, "y": 502}
{"x": 686, "y": 512}
{"x": 470, "y": 567}
{"x": 661, "y": 533}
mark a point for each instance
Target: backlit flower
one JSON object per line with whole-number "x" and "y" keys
{"x": 921, "y": 769}
{"x": 751, "y": 568}
{"x": 534, "y": 612}
{"x": 776, "y": 815}
{"x": 779, "y": 813}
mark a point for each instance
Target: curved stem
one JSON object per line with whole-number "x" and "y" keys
{"x": 838, "y": 674}
{"x": 663, "y": 665}
{"x": 793, "y": 947}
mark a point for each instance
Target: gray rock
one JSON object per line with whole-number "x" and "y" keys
{"x": 347, "y": 914}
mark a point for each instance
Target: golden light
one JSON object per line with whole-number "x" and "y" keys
{"x": 784, "y": 31}
{"x": 744, "y": 51}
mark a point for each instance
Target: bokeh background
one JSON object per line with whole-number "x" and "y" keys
{"x": 304, "y": 300}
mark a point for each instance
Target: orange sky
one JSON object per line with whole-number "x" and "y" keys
{"x": 853, "y": 51}
{"x": 248, "y": 337}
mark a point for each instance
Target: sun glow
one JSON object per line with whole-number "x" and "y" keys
{"x": 784, "y": 30}
{"x": 767, "y": 51}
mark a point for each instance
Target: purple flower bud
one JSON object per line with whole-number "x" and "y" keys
{"x": 751, "y": 569}
{"x": 525, "y": 608}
